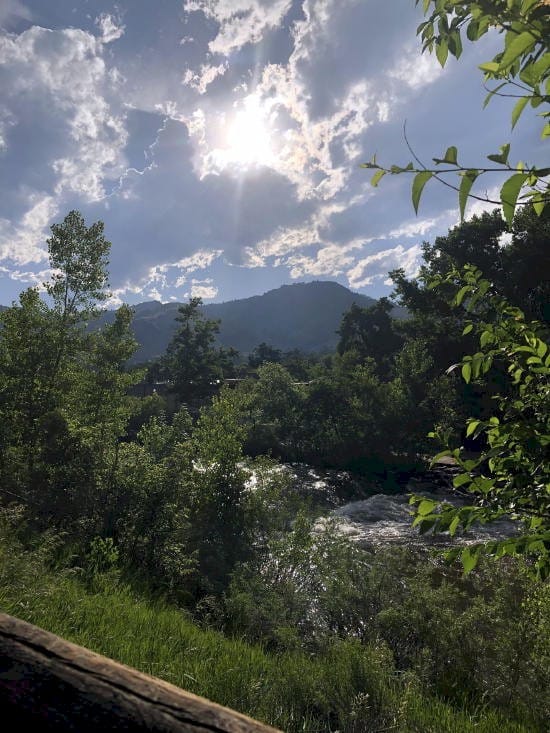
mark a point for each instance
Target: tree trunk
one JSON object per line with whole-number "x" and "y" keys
{"x": 53, "y": 685}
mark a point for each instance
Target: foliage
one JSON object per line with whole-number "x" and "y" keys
{"x": 264, "y": 353}
{"x": 347, "y": 685}
{"x": 370, "y": 332}
{"x": 132, "y": 498}
{"x": 78, "y": 257}
{"x": 510, "y": 477}
{"x": 523, "y": 65}
{"x": 63, "y": 403}
{"x": 193, "y": 365}
{"x": 218, "y": 508}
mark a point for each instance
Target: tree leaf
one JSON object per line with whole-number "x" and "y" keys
{"x": 538, "y": 204}
{"x": 461, "y": 293}
{"x": 451, "y": 155}
{"x": 461, "y": 479}
{"x": 485, "y": 338}
{"x": 490, "y": 66}
{"x": 453, "y": 526}
{"x": 419, "y": 182}
{"x": 517, "y": 47}
{"x": 468, "y": 559}
{"x": 442, "y": 51}
{"x": 464, "y": 191}
{"x": 471, "y": 427}
{"x": 492, "y": 93}
{"x": 426, "y": 507}
{"x": 518, "y": 109}
{"x": 502, "y": 156}
{"x": 509, "y": 194}
{"x": 377, "y": 177}
{"x": 466, "y": 372}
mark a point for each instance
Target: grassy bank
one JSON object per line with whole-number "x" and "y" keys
{"x": 348, "y": 687}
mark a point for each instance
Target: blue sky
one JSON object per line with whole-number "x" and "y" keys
{"x": 220, "y": 140}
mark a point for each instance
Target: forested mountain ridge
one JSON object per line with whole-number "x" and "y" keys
{"x": 304, "y": 316}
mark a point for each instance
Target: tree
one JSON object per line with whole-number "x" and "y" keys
{"x": 218, "y": 532}
{"x": 79, "y": 258}
{"x": 511, "y": 477}
{"x": 370, "y": 332}
{"x": 522, "y": 68}
{"x": 26, "y": 354}
{"x": 264, "y": 353}
{"x": 192, "y": 363}
{"x": 63, "y": 403}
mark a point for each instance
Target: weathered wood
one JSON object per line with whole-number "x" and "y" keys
{"x": 53, "y": 685}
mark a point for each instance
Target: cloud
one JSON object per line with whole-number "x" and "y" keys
{"x": 376, "y": 266}
{"x": 203, "y": 289}
{"x": 239, "y": 21}
{"x": 414, "y": 69}
{"x": 201, "y": 80}
{"x": 22, "y": 241}
{"x": 111, "y": 28}
{"x": 11, "y": 11}
{"x": 221, "y": 144}
{"x": 56, "y": 85}
{"x": 331, "y": 260}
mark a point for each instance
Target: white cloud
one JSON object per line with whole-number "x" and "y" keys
{"x": 331, "y": 260}
{"x": 203, "y": 289}
{"x": 7, "y": 120}
{"x": 476, "y": 207}
{"x": 414, "y": 69}
{"x": 164, "y": 277}
{"x": 111, "y": 28}
{"x": 13, "y": 10}
{"x": 154, "y": 294}
{"x": 376, "y": 266}
{"x": 198, "y": 260}
{"x": 240, "y": 21}
{"x": 201, "y": 80}
{"x": 23, "y": 242}
{"x": 59, "y": 79}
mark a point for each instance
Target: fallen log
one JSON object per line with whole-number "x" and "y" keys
{"x": 53, "y": 685}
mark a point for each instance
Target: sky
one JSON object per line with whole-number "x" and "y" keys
{"x": 220, "y": 140}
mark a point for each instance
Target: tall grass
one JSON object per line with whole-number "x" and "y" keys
{"x": 348, "y": 688}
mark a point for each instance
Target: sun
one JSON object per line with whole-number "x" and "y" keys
{"x": 249, "y": 136}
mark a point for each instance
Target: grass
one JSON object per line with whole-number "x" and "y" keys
{"x": 349, "y": 688}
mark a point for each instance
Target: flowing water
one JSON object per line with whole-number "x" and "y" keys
{"x": 382, "y": 518}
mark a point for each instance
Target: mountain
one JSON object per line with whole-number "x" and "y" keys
{"x": 301, "y": 316}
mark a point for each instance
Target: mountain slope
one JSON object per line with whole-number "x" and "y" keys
{"x": 302, "y": 316}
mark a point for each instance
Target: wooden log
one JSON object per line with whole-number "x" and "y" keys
{"x": 53, "y": 685}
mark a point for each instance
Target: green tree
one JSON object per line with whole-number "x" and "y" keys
{"x": 26, "y": 354}
{"x": 192, "y": 363}
{"x": 274, "y": 411}
{"x": 511, "y": 475}
{"x": 264, "y": 353}
{"x": 62, "y": 389}
{"x": 370, "y": 332}
{"x": 219, "y": 531}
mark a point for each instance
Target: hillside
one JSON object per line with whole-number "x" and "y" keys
{"x": 301, "y": 316}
